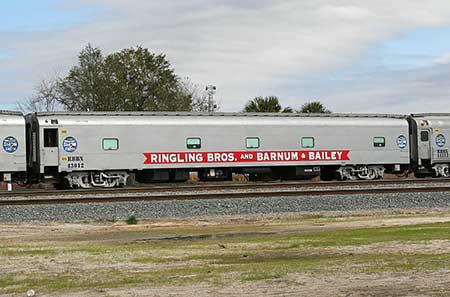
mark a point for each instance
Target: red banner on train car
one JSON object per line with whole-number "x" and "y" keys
{"x": 237, "y": 157}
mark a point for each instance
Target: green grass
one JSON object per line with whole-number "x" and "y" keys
{"x": 258, "y": 276}
{"x": 219, "y": 260}
{"x": 27, "y": 252}
{"x": 253, "y": 269}
{"x": 375, "y": 235}
{"x": 132, "y": 220}
{"x": 334, "y": 238}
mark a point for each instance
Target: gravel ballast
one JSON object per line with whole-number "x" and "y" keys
{"x": 193, "y": 208}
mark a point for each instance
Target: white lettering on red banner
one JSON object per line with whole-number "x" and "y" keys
{"x": 238, "y": 157}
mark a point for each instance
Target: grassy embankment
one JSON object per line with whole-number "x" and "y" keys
{"x": 55, "y": 259}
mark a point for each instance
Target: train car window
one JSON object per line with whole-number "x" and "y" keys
{"x": 252, "y": 142}
{"x": 51, "y": 137}
{"x": 424, "y": 136}
{"x": 110, "y": 144}
{"x": 379, "y": 142}
{"x": 193, "y": 143}
{"x": 307, "y": 142}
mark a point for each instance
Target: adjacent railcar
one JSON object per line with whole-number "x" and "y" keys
{"x": 13, "y": 151}
{"x": 103, "y": 149}
{"x": 430, "y": 146}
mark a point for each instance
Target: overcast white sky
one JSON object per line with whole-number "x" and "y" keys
{"x": 355, "y": 56}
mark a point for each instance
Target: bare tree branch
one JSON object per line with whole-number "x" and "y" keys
{"x": 45, "y": 98}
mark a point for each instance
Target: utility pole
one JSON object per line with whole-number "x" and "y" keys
{"x": 211, "y": 90}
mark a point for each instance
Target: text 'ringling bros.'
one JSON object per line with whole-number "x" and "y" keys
{"x": 236, "y": 157}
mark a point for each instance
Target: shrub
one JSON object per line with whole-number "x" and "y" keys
{"x": 131, "y": 220}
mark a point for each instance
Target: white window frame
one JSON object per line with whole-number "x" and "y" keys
{"x": 251, "y": 139}
{"x": 109, "y": 139}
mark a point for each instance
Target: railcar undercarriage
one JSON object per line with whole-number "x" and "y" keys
{"x": 361, "y": 172}
{"x": 97, "y": 179}
{"x": 442, "y": 170}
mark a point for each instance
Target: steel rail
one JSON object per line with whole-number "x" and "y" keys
{"x": 236, "y": 195}
{"x": 222, "y": 186}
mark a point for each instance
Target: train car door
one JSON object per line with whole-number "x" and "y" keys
{"x": 50, "y": 151}
{"x": 424, "y": 144}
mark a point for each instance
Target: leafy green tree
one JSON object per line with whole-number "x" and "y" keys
{"x": 313, "y": 107}
{"x": 87, "y": 87}
{"x": 263, "y": 104}
{"x": 287, "y": 109}
{"x": 266, "y": 104}
{"x": 133, "y": 79}
{"x": 144, "y": 81}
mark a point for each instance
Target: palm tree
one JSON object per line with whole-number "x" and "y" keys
{"x": 288, "y": 109}
{"x": 313, "y": 107}
{"x": 266, "y": 104}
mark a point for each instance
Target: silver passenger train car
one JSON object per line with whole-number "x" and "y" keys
{"x": 104, "y": 149}
{"x": 13, "y": 150}
{"x": 430, "y": 148}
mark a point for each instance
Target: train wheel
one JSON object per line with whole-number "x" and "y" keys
{"x": 445, "y": 172}
{"x": 367, "y": 173}
{"x": 372, "y": 174}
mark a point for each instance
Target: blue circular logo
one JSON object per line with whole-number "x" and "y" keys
{"x": 10, "y": 144}
{"x": 440, "y": 140}
{"x": 402, "y": 141}
{"x": 70, "y": 144}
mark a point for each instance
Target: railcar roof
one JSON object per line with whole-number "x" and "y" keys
{"x": 221, "y": 114}
{"x": 9, "y": 112}
{"x": 420, "y": 115}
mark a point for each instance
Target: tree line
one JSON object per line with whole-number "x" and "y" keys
{"x": 133, "y": 79}
{"x": 272, "y": 104}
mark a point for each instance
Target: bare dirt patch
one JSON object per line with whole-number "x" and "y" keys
{"x": 323, "y": 254}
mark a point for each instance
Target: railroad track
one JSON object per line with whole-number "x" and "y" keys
{"x": 223, "y": 195}
{"x": 222, "y": 186}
